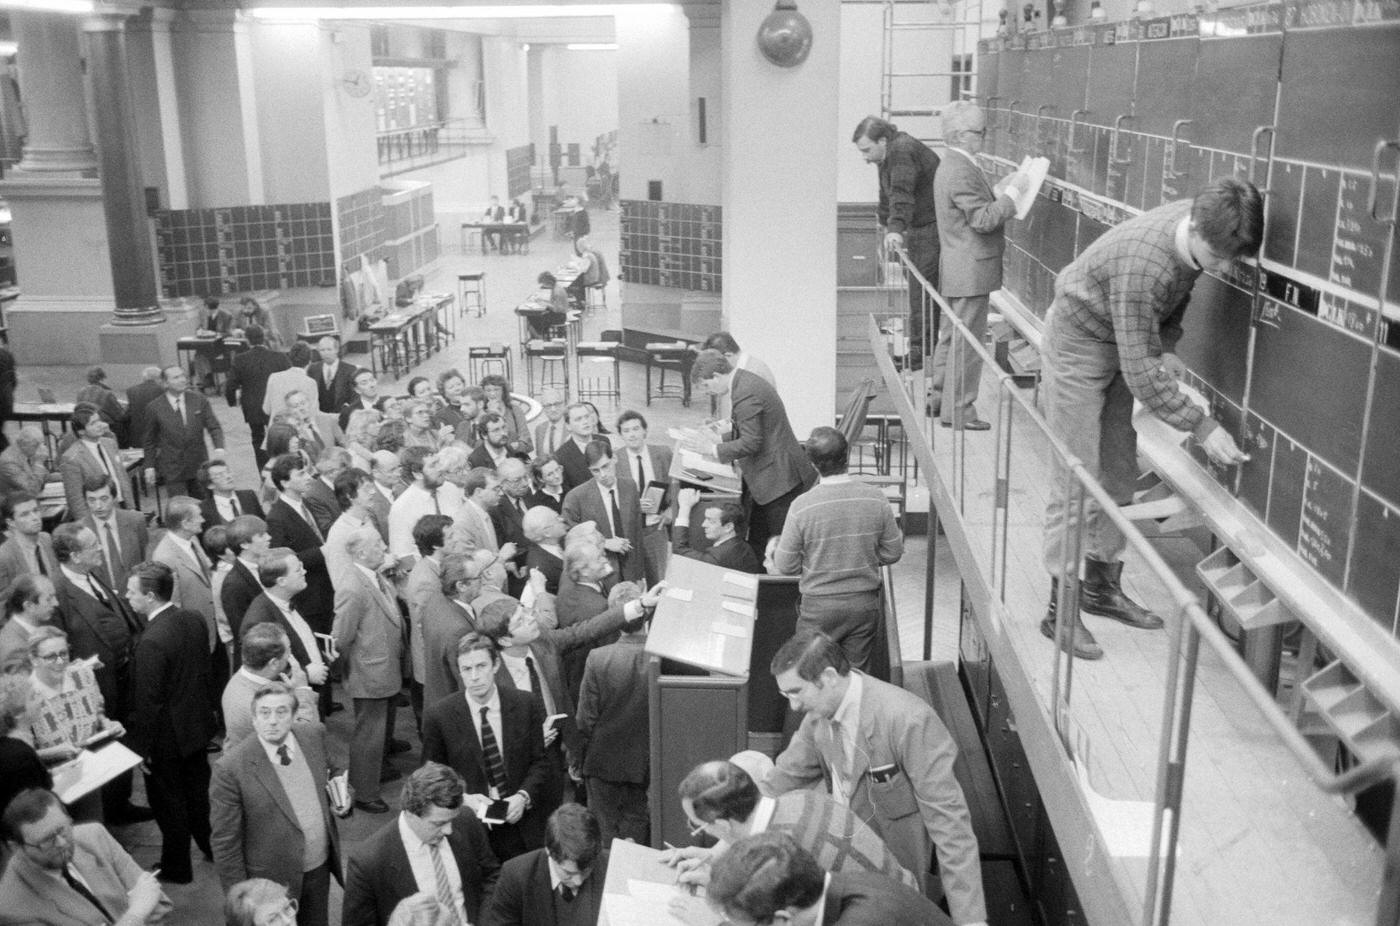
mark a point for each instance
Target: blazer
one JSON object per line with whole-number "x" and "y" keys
{"x": 573, "y": 604}
{"x": 256, "y": 833}
{"x": 538, "y": 558}
{"x": 13, "y": 562}
{"x": 379, "y": 511}
{"x": 19, "y": 474}
{"x": 137, "y": 398}
{"x": 874, "y": 900}
{"x": 171, "y": 717}
{"x": 424, "y": 585}
{"x": 193, "y": 591}
{"x": 613, "y": 720}
{"x": 342, "y": 388}
{"x": 78, "y": 463}
{"x": 477, "y": 524}
{"x": 585, "y": 503}
{"x": 292, "y": 379}
{"x": 263, "y": 610}
{"x": 34, "y": 897}
{"x": 506, "y": 519}
{"x": 175, "y": 449}
{"x": 970, "y": 227}
{"x": 241, "y": 587}
{"x": 524, "y": 894}
{"x": 733, "y": 554}
{"x": 379, "y": 875}
{"x": 763, "y": 446}
{"x": 548, "y": 501}
{"x": 133, "y": 538}
{"x": 576, "y": 471}
{"x": 542, "y": 437}
{"x": 248, "y": 373}
{"x": 449, "y": 737}
{"x": 288, "y": 529}
{"x": 369, "y": 632}
{"x": 920, "y": 808}
{"x": 247, "y": 503}
{"x": 445, "y": 622}
{"x": 320, "y": 501}
{"x": 108, "y": 632}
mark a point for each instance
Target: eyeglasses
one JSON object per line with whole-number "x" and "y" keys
{"x": 64, "y": 832}
{"x": 60, "y": 656}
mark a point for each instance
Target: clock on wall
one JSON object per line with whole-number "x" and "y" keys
{"x": 356, "y": 83}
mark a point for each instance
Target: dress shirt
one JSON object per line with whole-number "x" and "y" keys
{"x": 493, "y": 715}
{"x": 299, "y": 506}
{"x": 762, "y": 815}
{"x": 520, "y": 674}
{"x": 225, "y": 504}
{"x": 609, "y": 495}
{"x": 79, "y": 580}
{"x": 554, "y": 437}
{"x": 420, "y": 860}
{"x": 288, "y": 741}
{"x": 413, "y": 504}
{"x": 648, "y": 471}
{"x": 847, "y": 719}
{"x": 302, "y": 629}
{"x": 109, "y": 466}
{"x": 557, "y": 876}
{"x": 31, "y": 553}
{"x": 186, "y": 545}
{"x": 328, "y": 371}
{"x": 177, "y": 404}
{"x": 102, "y": 526}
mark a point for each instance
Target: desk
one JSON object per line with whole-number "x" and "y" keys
{"x": 217, "y": 349}
{"x": 515, "y": 233}
{"x": 416, "y": 330}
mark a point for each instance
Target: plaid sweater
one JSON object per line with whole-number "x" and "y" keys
{"x": 836, "y": 837}
{"x": 1131, "y": 287}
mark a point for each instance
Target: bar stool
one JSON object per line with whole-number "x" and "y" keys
{"x": 485, "y": 359}
{"x": 471, "y": 292}
{"x": 551, "y": 356}
{"x": 669, "y": 355}
{"x": 596, "y": 380}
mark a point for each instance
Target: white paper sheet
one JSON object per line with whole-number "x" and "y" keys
{"x": 743, "y": 580}
{"x": 91, "y": 770}
{"x": 622, "y": 910}
{"x": 681, "y": 594}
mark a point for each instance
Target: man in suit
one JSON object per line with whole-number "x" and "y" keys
{"x": 369, "y": 632}
{"x": 495, "y": 213}
{"x": 436, "y": 846}
{"x": 794, "y": 890}
{"x": 61, "y": 874}
{"x": 320, "y": 490}
{"x": 551, "y": 433}
{"x": 970, "y": 230}
{"x": 222, "y": 502}
{"x": 28, "y": 547}
{"x": 724, "y": 525}
{"x": 122, "y": 534}
{"x": 614, "y": 506}
{"x": 315, "y": 429}
{"x": 739, "y": 359}
{"x": 292, "y": 379}
{"x": 646, "y": 464}
{"x": 493, "y": 442}
{"x": 494, "y": 738}
{"x": 94, "y": 453}
{"x": 508, "y": 515}
{"x": 761, "y": 444}
{"x": 176, "y": 423}
{"x": 722, "y": 801}
{"x": 290, "y": 524}
{"x": 573, "y": 858}
{"x": 888, "y": 754}
{"x": 283, "y": 579}
{"x": 248, "y": 538}
{"x": 180, "y": 549}
{"x": 578, "y": 418}
{"x": 270, "y": 814}
{"x": 171, "y": 717}
{"x": 137, "y": 398}
{"x": 246, "y": 386}
{"x": 334, "y": 378}
{"x": 422, "y": 590}
{"x": 366, "y": 386}
{"x": 583, "y": 592}
{"x": 385, "y": 470}
{"x": 615, "y": 730}
{"x": 446, "y": 620}
{"x": 482, "y": 488}
{"x": 267, "y": 657}
{"x": 21, "y": 469}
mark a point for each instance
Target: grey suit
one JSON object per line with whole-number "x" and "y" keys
{"x": 34, "y": 897}
{"x": 369, "y": 633}
{"x": 445, "y": 622}
{"x": 585, "y": 503}
{"x": 655, "y": 547}
{"x": 192, "y": 585}
{"x": 14, "y": 563}
{"x": 78, "y": 464}
{"x": 477, "y": 525}
{"x": 132, "y": 540}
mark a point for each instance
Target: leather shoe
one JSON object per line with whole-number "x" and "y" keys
{"x": 374, "y": 806}
{"x": 1101, "y": 593}
{"x": 1080, "y": 641}
{"x": 969, "y": 424}
{"x": 397, "y": 746}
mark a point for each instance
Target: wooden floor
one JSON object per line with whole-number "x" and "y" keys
{"x": 1259, "y": 843}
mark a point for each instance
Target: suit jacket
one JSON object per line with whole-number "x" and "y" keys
{"x": 576, "y": 471}
{"x": 263, "y": 610}
{"x": 292, "y": 379}
{"x": 174, "y": 448}
{"x": 506, "y": 519}
{"x": 921, "y": 807}
{"x": 78, "y": 463}
{"x": 449, "y": 737}
{"x": 837, "y": 838}
{"x": 476, "y": 524}
{"x": 733, "y": 554}
{"x": 33, "y": 897}
{"x": 13, "y": 562}
{"x": 137, "y": 398}
{"x": 132, "y": 538}
{"x": 256, "y": 833}
{"x": 320, "y": 501}
{"x": 585, "y": 503}
{"x": 108, "y": 632}
{"x": 549, "y": 564}
{"x": 542, "y": 448}
{"x": 193, "y": 591}
{"x": 289, "y": 529}
{"x": 970, "y": 227}
{"x": 369, "y": 632}
{"x": 548, "y": 501}
{"x": 573, "y": 604}
{"x": 873, "y": 900}
{"x": 524, "y": 894}
{"x": 763, "y": 445}
{"x": 248, "y": 374}
{"x": 171, "y": 717}
{"x": 14, "y": 646}
{"x": 19, "y": 474}
{"x": 613, "y": 719}
{"x": 342, "y": 388}
{"x": 247, "y": 503}
{"x": 240, "y": 589}
{"x": 445, "y": 622}
{"x": 345, "y": 411}
{"x": 379, "y": 511}
{"x": 379, "y": 874}
{"x": 424, "y": 586}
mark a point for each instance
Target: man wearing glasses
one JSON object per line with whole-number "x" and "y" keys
{"x": 282, "y": 767}
{"x": 61, "y": 874}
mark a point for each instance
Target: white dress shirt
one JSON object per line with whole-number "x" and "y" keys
{"x": 520, "y": 674}
{"x": 420, "y": 860}
{"x": 648, "y": 471}
{"x": 303, "y": 632}
{"x": 847, "y": 716}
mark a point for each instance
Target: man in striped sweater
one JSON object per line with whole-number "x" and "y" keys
{"x": 837, "y": 536}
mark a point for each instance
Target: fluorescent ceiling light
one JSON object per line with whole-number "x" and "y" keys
{"x": 435, "y": 12}
{"x": 592, "y": 46}
{"x": 49, "y": 6}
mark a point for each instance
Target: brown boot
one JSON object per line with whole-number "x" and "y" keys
{"x": 1080, "y": 641}
{"x": 1101, "y": 594}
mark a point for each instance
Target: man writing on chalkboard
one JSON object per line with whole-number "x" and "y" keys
{"x": 1109, "y": 337}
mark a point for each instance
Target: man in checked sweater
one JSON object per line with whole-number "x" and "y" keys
{"x": 1109, "y": 337}
{"x": 837, "y": 536}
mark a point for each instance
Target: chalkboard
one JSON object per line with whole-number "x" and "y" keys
{"x": 1167, "y": 96}
{"x": 1112, "y": 69}
{"x": 1374, "y": 581}
{"x": 672, "y": 244}
{"x": 1382, "y": 469}
{"x": 1286, "y": 489}
{"x": 1233, "y": 91}
{"x": 1215, "y": 338}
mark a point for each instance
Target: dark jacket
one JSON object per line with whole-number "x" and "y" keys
{"x": 341, "y": 389}
{"x": 247, "y": 503}
{"x": 247, "y": 380}
{"x": 173, "y": 448}
{"x": 906, "y": 184}
{"x": 524, "y": 895}
{"x": 733, "y": 554}
{"x": 170, "y": 711}
{"x": 287, "y": 528}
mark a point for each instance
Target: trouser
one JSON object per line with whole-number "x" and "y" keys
{"x": 621, "y": 809}
{"x": 656, "y": 550}
{"x": 1087, "y": 405}
{"x": 850, "y": 621}
{"x": 922, "y": 245}
{"x": 374, "y": 718}
{"x": 257, "y": 429}
{"x": 314, "y": 901}
{"x": 178, "y": 789}
{"x": 767, "y": 520}
{"x": 971, "y": 311}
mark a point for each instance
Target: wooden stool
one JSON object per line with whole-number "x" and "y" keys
{"x": 471, "y": 292}
{"x": 485, "y": 359}
{"x": 552, "y": 372}
{"x": 669, "y": 355}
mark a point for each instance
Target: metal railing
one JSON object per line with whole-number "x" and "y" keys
{"x": 427, "y": 143}
{"x": 976, "y": 506}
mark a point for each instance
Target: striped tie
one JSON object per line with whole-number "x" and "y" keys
{"x": 495, "y": 765}
{"x": 445, "y": 895}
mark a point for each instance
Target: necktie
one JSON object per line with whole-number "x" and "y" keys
{"x": 616, "y": 514}
{"x": 495, "y": 765}
{"x": 180, "y": 411}
{"x": 233, "y": 503}
{"x": 306, "y": 516}
{"x": 112, "y": 552}
{"x": 39, "y": 558}
{"x": 437, "y": 508}
{"x": 445, "y": 894}
{"x": 109, "y": 469}
{"x": 97, "y": 592}
{"x": 199, "y": 559}
{"x": 641, "y": 475}
{"x": 534, "y": 676}
{"x": 284, "y": 756}
{"x": 88, "y": 895}
{"x": 568, "y": 893}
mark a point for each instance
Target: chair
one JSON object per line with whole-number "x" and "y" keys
{"x": 851, "y": 424}
{"x": 666, "y": 356}
{"x": 471, "y": 292}
{"x": 485, "y": 359}
{"x": 551, "y": 356}
{"x": 596, "y": 381}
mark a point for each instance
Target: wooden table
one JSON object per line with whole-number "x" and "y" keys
{"x": 416, "y": 328}
{"x": 517, "y": 233}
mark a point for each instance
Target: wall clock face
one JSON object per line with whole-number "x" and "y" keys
{"x": 356, "y": 83}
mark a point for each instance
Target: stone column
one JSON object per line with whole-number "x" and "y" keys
{"x": 51, "y": 90}
{"x": 123, "y": 196}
